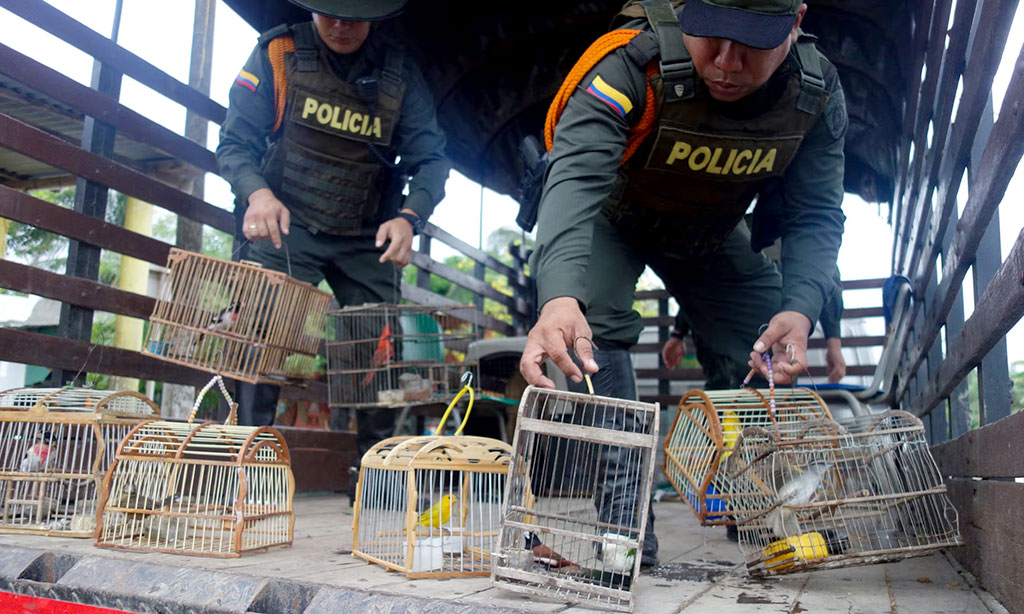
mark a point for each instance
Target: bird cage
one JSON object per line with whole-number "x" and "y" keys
{"x": 429, "y": 506}
{"x": 705, "y": 431}
{"x": 237, "y": 319}
{"x": 55, "y": 446}
{"x": 387, "y": 355}
{"x": 207, "y": 489}
{"x": 577, "y": 501}
{"x": 828, "y": 495}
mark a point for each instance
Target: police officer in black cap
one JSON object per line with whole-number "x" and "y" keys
{"x": 327, "y": 126}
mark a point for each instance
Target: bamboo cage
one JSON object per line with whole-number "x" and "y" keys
{"x": 386, "y": 355}
{"x": 577, "y": 501}
{"x": 55, "y": 446}
{"x": 216, "y": 490}
{"x": 828, "y": 495}
{"x": 237, "y": 319}
{"x": 705, "y": 430}
{"x": 429, "y": 506}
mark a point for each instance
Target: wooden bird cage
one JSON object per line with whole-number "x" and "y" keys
{"x": 830, "y": 495}
{"x": 55, "y": 446}
{"x": 705, "y": 430}
{"x": 237, "y": 319}
{"x": 429, "y": 506}
{"x": 577, "y": 501}
{"x": 217, "y": 490}
{"x": 394, "y": 355}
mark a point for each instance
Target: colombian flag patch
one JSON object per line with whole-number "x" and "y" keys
{"x": 610, "y": 96}
{"x": 247, "y": 79}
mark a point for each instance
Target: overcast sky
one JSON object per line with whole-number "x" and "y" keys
{"x": 161, "y": 34}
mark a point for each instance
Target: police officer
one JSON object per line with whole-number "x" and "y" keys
{"x": 743, "y": 102}
{"x": 317, "y": 119}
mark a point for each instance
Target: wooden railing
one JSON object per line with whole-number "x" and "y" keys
{"x": 104, "y": 123}
{"x": 937, "y": 242}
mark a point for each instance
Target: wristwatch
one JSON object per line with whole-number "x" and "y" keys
{"x": 418, "y": 223}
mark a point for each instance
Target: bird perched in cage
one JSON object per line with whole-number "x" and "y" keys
{"x": 798, "y": 490}
{"x": 381, "y": 354}
{"x": 226, "y": 318}
{"x": 731, "y": 428}
{"x": 35, "y": 457}
{"x": 439, "y": 513}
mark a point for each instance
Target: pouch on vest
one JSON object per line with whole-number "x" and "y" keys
{"x": 531, "y": 183}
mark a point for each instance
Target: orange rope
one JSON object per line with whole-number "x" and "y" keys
{"x": 276, "y": 51}
{"x": 597, "y": 51}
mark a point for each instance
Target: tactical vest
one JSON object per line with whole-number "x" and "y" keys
{"x": 329, "y": 163}
{"x": 692, "y": 180}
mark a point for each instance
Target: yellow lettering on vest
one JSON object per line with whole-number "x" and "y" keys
{"x": 323, "y": 114}
{"x": 376, "y": 127}
{"x": 367, "y": 126}
{"x": 767, "y": 162}
{"x": 679, "y": 152}
{"x": 753, "y": 164}
{"x": 740, "y": 166}
{"x": 356, "y": 124}
{"x": 729, "y": 161}
{"x": 713, "y": 165}
{"x": 704, "y": 152}
{"x": 309, "y": 107}
{"x": 334, "y": 119}
{"x": 344, "y": 123}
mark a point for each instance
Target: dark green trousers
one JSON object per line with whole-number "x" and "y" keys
{"x": 726, "y": 297}
{"x": 350, "y": 266}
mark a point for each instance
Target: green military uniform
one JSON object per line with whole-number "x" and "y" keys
{"x": 347, "y": 117}
{"x": 588, "y": 250}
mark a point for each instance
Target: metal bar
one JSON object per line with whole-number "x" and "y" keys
{"x": 104, "y": 108}
{"x": 40, "y": 146}
{"x": 21, "y": 207}
{"x": 104, "y": 50}
{"x": 579, "y": 432}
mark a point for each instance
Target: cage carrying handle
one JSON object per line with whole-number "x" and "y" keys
{"x": 467, "y": 384}
{"x": 232, "y": 418}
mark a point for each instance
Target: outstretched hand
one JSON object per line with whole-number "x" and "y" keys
{"x": 399, "y": 232}
{"x": 787, "y": 336}
{"x": 561, "y": 322}
{"x": 265, "y": 218}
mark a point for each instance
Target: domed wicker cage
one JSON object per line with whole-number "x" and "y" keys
{"x": 237, "y": 319}
{"x": 430, "y": 506}
{"x": 828, "y": 495}
{"x": 55, "y": 446}
{"x": 208, "y": 489}
{"x": 705, "y": 430}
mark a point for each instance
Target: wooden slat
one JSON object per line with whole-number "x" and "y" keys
{"x": 693, "y": 374}
{"x": 1000, "y": 308}
{"x": 863, "y": 284}
{"x": 103, "y": 49}
{"x": 20, "y": 207}
{"x": 999, "y": 162}
{"x": 993, "y": 534}
{"x": 467, "y": 249}
{"x": 478, "y": 287}
{"x": 74, "y": 290}
{"x": 90, "y": 102}
{"x": 863, "y": 312}
{"x": 72, "y": 355}
{"x": 40, "y": 146}
{"x": 993, "y": 451}
{"x": 425, "y": 297}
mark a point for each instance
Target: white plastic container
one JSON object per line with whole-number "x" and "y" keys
{"x": 428, "y": 555}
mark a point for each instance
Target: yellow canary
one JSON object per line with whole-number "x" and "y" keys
{"x": 439, "y": 513}
{"x": 730, "y": 431}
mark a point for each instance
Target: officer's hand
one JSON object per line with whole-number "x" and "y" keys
{"x": 672, "y": 352}
{"x": 560, "y": 323}
{"x": 834, "y": 361}
{"x": 266, "y": 218}
{"x": 787, "y": 336}
{"x": 399, "y": 232}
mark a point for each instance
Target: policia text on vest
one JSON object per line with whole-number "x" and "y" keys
{"x": 340, "y": 118}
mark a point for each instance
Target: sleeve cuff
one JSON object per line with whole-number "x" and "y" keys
{"x": 245, "y": 186}
{"x": 421, "y": 206}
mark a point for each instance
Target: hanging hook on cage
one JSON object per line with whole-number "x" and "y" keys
{"x": 467, "y": 385}
{"x": 593, "y": 348}
{"x": 287, "y": 255}
{"x": 232, "y": 418}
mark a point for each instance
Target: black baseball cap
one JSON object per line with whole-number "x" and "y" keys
{"x": 761, "y": 24}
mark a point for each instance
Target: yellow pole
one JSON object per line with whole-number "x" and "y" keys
{"x": 4, "y": 225}
{"x": 138, "y": 217}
